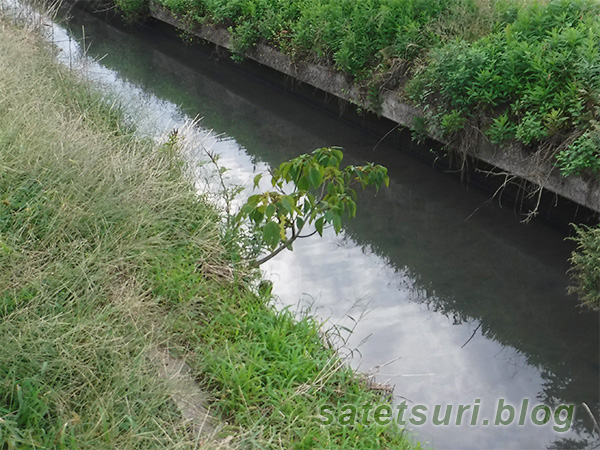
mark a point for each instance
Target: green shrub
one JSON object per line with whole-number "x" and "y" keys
{"x": 540, "y": 66}
{"x": 583, "y": 154}
{"x": 356, "y": 37}
{"x": 133, "y": 9}
{"x": 501, "y": 129}
{"x": 453, "y": 121}
{"x": 585, "y": 270}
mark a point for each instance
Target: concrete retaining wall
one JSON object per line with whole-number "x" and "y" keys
{"x": 511, "y": 160}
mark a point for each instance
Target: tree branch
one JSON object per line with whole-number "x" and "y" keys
{"x": 281, "y": 248}
{"x": 308, "y": 235}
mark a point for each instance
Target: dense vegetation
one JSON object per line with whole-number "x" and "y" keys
{"x": 524, "y": 71}
{"x": 108, "y": 255}
{"x": 585, "y": 271}
{"x": 536, "y": 80}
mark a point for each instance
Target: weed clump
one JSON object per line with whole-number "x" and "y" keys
{"x": 585, "y": 261}
{"x": 533, "y": 80}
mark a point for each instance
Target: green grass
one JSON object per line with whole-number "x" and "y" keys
{"x": 82, "y": 206}
{"x": 356, "y": 37}
{"x": 106, "y": 254}
{"x": 525, "y": 71}
{"x": 535, "y": 80}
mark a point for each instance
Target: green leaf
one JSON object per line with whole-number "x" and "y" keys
{"x": 299, "y": 222}
{"x": 319, "y": 225}
{"x": 282, "y": 230}
{"x": 338, "y": 154}
{"x": 351, "y": 208}
{"x": 270, "y": 211}
{"x": 253, "y": 200}
{"x": 271, "y": 234}
{"x": 256, "y": 216}
{"x": 315, "y": 177}
{"x": 337, "y": 223}
{"x": 284, "y": 169}
{"x": 247, "y": 209}
{"x": 285, "y": 202}
{"x": 257, "y": 179}
{"x": 322, "y": 157}
{"x": 303, "y": 184}
{"x": 306, "y": 207}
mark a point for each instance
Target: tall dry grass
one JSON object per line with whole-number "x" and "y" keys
{"x": 84, "y": 207}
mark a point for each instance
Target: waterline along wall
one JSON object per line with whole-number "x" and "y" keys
{"x": 512, "y": 160}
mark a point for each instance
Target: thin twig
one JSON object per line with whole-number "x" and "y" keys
{"x": 384, "y": 136}
{"x": 308, "y": 235}
{"x": 472, "y": 336}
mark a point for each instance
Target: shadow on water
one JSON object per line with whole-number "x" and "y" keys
{"x": 457, "y": 253}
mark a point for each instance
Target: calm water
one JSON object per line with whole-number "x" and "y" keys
{"x": 451, "y": 299}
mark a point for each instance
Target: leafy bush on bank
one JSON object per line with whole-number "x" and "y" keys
{"x": 356, "y": 37}
{"x": 585, "y": 261}
{"x": 583, "y": 154}
{"x": 535, "y": 79}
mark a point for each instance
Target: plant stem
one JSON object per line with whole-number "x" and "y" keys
{"x": 279, "y": 249}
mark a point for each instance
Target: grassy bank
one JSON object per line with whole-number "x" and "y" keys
{"x": 525, "y": 71}
{"x": 108, "y": 255}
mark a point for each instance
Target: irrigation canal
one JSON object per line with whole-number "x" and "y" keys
{"x": 450, "y": 298}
